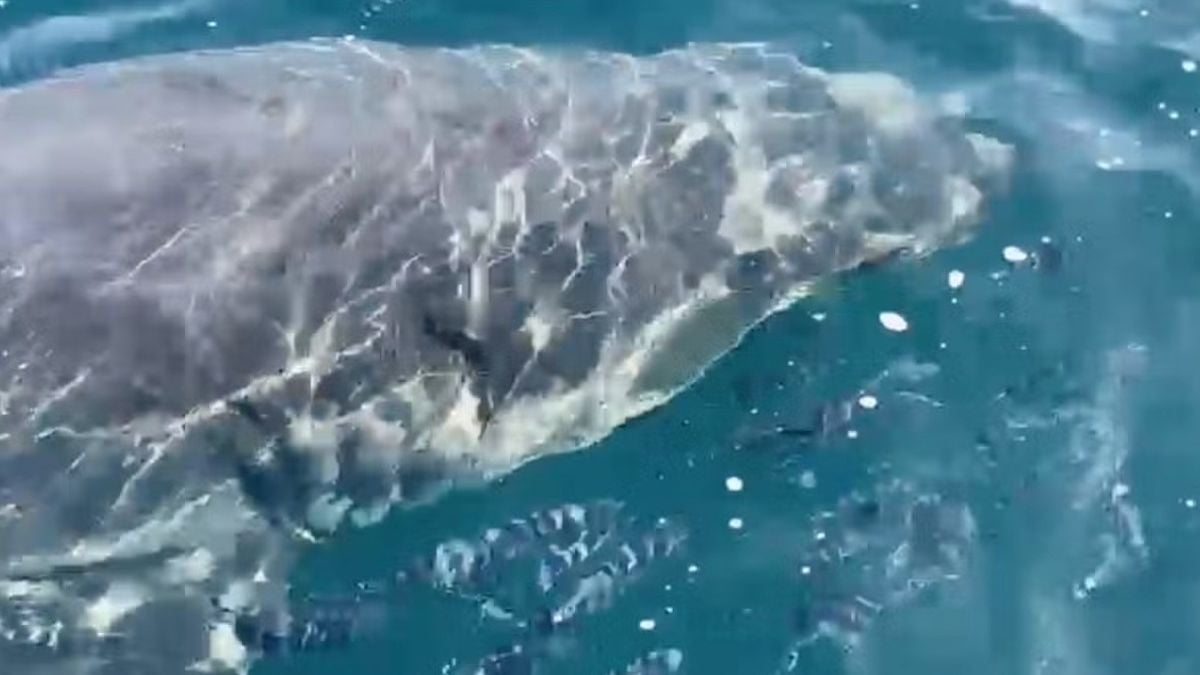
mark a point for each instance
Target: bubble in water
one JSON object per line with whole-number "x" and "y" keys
{"x": 893, "y": 322}
{"x": 1015, "y": 254}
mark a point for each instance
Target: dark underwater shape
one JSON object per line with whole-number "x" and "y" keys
{"x": 314, "y": 624}
{"x": 534, "y": 575}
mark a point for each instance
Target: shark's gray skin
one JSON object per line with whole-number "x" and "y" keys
{"x": 246, "y": 292}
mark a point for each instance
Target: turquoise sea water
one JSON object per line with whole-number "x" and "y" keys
{"x": 1014, "y": 495}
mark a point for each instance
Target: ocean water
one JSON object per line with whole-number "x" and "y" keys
{"x": 1009, "y": 485}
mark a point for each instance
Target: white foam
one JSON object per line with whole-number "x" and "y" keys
{"x": 734, "y": 484}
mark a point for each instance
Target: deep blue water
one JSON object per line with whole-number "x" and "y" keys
{"x": 1017, "y": 502}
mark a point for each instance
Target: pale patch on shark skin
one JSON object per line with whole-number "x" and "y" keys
{"x": 119, "y": 600}
{"x": 885, "y": 98}
{"x": 190, "y": 568}
{"x": 225, "y": 652}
